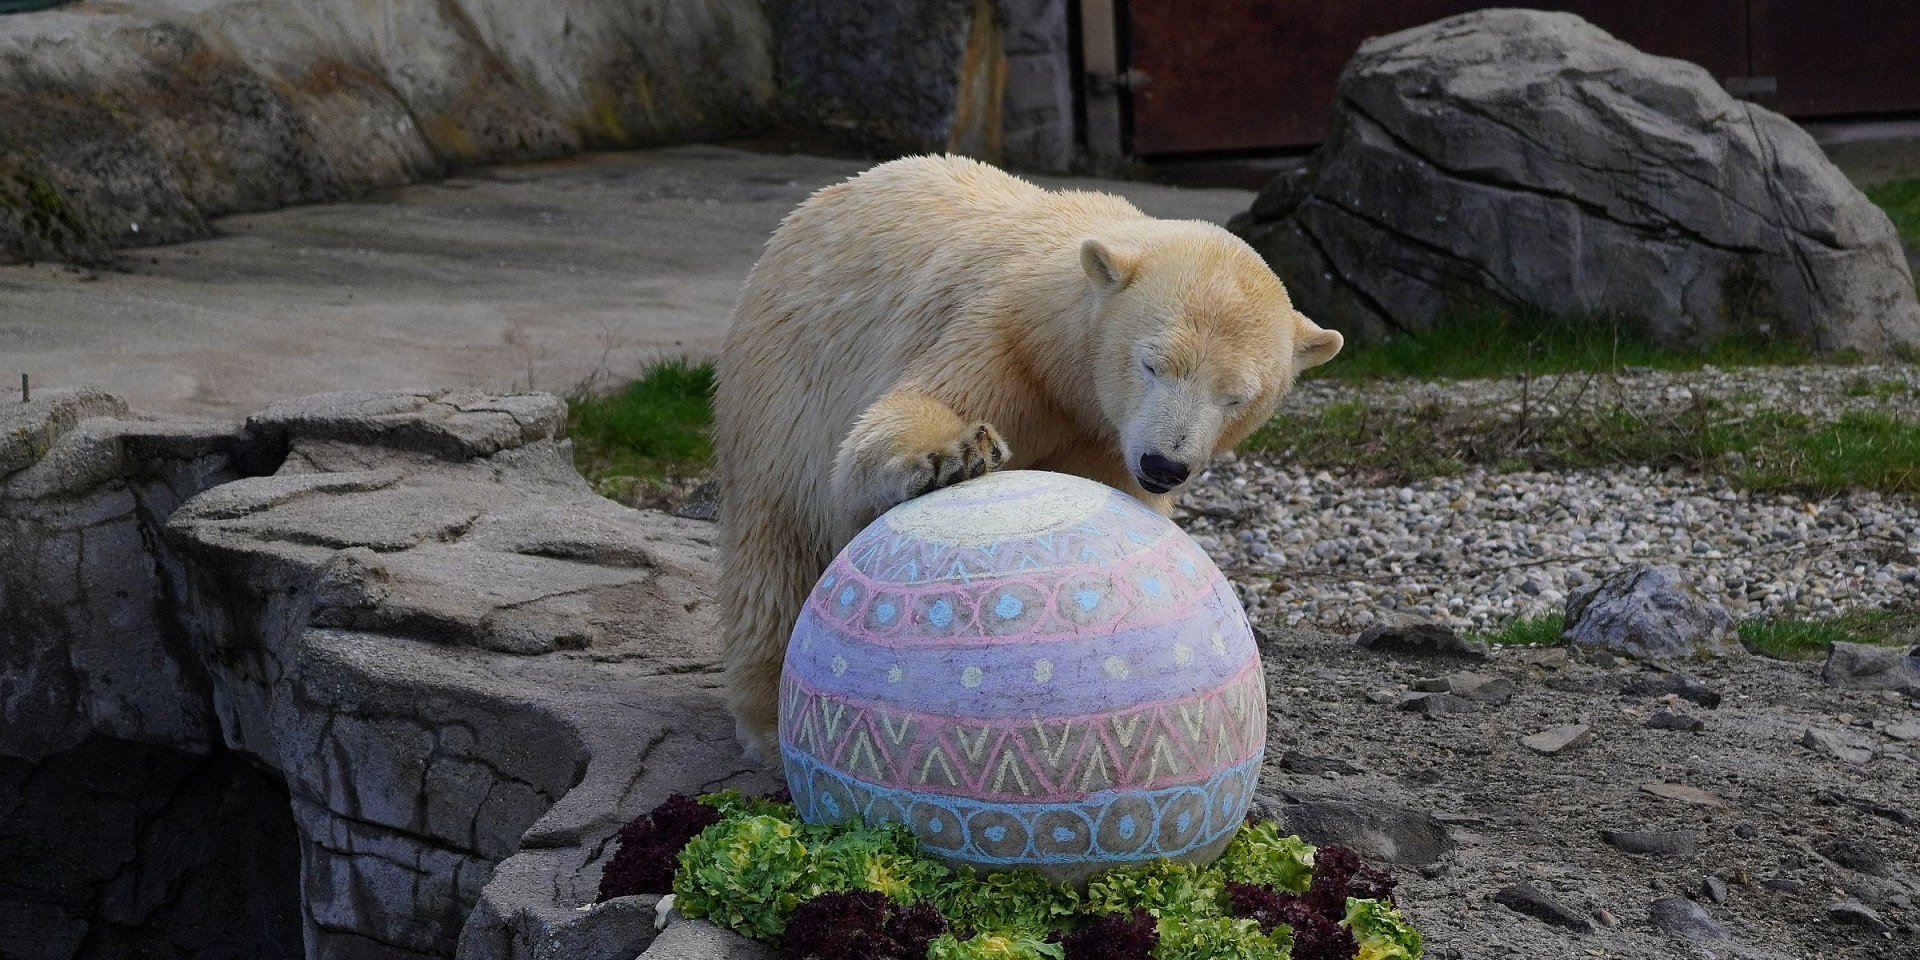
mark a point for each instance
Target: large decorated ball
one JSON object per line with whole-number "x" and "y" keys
{"x": 1030, "y": 670}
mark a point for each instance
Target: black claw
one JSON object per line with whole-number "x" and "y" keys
{"x": 955, "y": 472}
{"x": 933, "y": 475}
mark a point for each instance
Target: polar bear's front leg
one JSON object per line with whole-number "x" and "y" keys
{"x": 905, "y": 445}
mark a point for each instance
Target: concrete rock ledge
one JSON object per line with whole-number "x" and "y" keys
{"x": 399, "y": 626}
{"x": 126, "y": 124}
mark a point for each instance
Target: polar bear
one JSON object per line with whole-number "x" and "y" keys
{"x": 935, "y": 318}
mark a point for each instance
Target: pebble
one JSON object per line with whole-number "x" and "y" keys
{"x": 1433, "y": 704}
{"x": 1856, "y": 855}
{"x": 1408, "y": 637}
{"x": 1530, "y": 900}
{"x": 1683, "y": 793}
{"x": 1558, "y": 739}
{"x": 1653, "y": 843}
{"x": 1830, "y": 743}
{"x": 1294, "y": 761}
{"x": 1865, "y": 805}
{"x": 1746, "y": 831}
{"x": 1664, "y": 719}
{"x": 1858, "y": 914}
{"x": 1551, "y": 658}
{"x": 1904, "y": 730}
{"x": 1470, "y": 685}
{"x": 1860, "y": 666}
{"x": 1677, "y": 684}
{"x": 1682, "y": 918}
{"x": 1714, "y": 889}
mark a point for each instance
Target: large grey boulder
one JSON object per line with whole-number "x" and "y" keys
{"x": 1649, "y": 612}
{"x": 1530, "y": 160}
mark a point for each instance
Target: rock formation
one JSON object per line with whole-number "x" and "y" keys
{"x": 1528, "y": 160}
{"x": 400, "y": 627}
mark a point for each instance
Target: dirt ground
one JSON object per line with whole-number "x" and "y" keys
{"x": 1468, "y": 810}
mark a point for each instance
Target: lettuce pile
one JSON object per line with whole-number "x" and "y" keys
{"x": 855, "y": 892}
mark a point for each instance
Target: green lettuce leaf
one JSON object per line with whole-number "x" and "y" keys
{"x": 1383, "y": 933}
{"x": 1219, "y": 938}
{"x": 746, "y": 874}
{"x": 1259, "y": 854}
{"x": 1013, "y": 901}
{"x": 1164, "y": 888}
{"x": 732, "y": 803}
{"x": 994, "y": 946}
{"x": 884, "y": 858}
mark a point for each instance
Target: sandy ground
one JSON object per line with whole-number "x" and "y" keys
{"x": 535, "y": 276}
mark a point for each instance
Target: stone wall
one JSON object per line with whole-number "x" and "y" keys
{"x": 125, "y": 124}
{"x": 396, "y": 632}
{"x": 131, "y": 124}
{"x": 988, "y": 78}
{"x": 1037, "y": 117}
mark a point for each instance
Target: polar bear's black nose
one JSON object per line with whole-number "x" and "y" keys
{"x": 1163, "y": 471}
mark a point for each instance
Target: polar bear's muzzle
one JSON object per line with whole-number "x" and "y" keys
{"x": 1170, "y": 436}
{"x": 1159, "y": 473}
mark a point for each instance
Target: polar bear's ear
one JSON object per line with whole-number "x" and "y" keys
{"x": 1314, "y": 345}
{"x": 1109, "y": 267}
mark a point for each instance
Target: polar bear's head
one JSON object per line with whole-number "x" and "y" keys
{"x": 1197, "y": 344}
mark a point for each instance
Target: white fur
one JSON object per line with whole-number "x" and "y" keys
{"x": 934, "y": 318}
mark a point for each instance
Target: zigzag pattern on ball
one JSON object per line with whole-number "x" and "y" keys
{"x": 1142, "y": 747}
{"x": 1132, "y": 827}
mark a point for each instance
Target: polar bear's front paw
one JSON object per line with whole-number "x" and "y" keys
{"x": 973, "y": 452}
{"x": 759, "y": 745}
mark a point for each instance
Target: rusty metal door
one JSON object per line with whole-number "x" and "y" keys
{"x": 1838, "y": 57}
{"x": 1225, "y": 75}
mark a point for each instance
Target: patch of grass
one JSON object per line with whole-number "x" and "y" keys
{"x": 1901, "y": 200}
{"x": 1357, "y": 436}
{"x": 1808, "y": 639}
{"x": 1540, "y": 631}
{"x": 1496, "y": 343}
{"x": 1777, "y": 638}
{"x": 1880, "y": 389}
{"x": 652, "y": 431}
{"x": 1771, "y": 451}
{"x": 1787, "y": 451}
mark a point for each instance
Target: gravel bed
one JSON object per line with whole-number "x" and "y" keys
{"x": 1482, "y": 548}
{"x": 1824, "y": 392}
